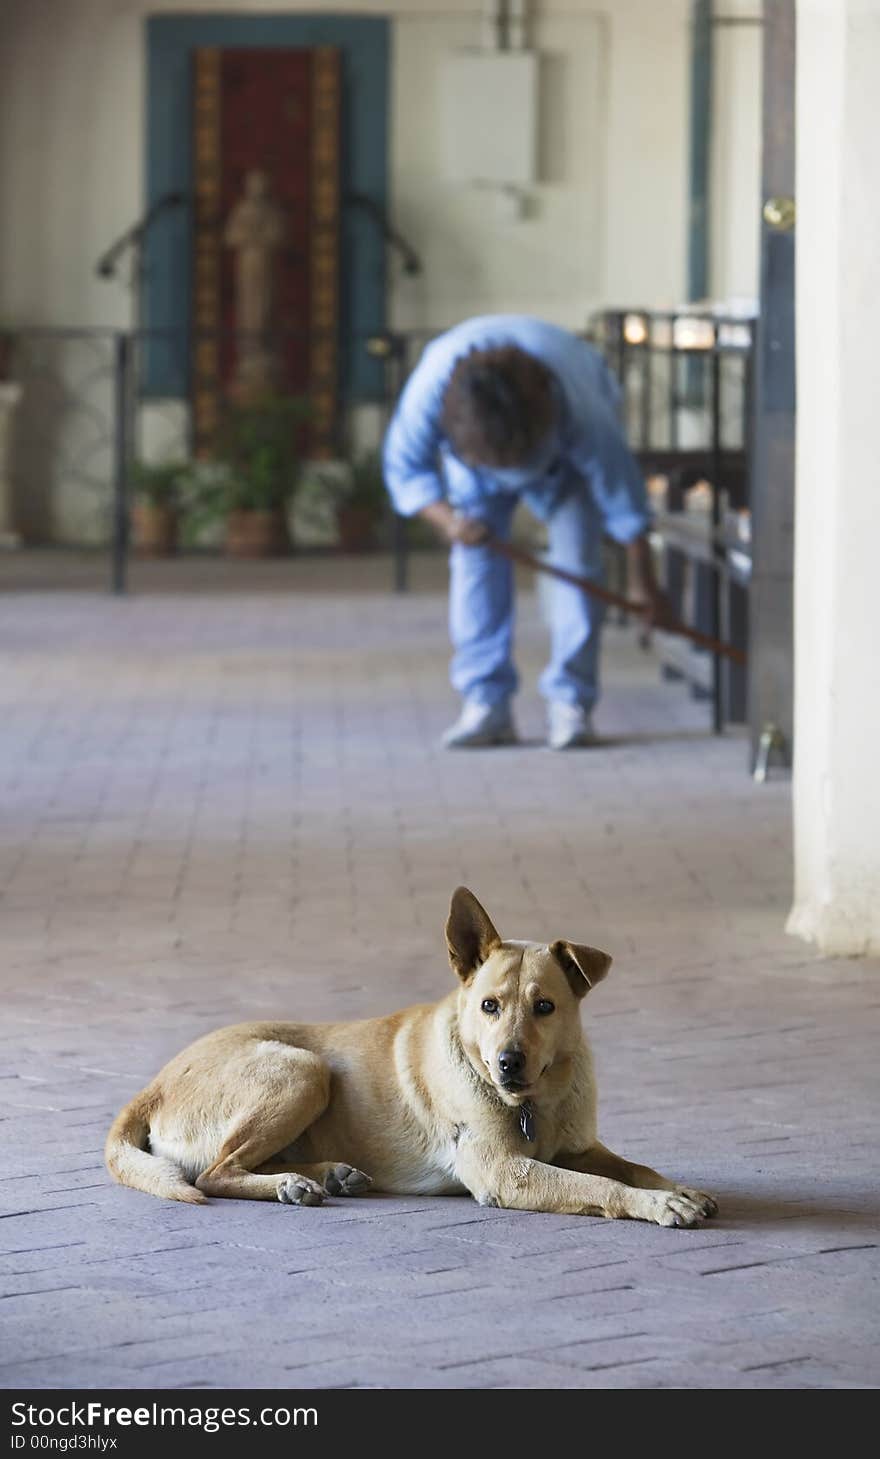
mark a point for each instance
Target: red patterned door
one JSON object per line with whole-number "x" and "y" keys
{"x": 273, "y": 112}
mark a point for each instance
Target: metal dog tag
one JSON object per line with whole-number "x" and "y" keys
{"x": 527, "y": 1120}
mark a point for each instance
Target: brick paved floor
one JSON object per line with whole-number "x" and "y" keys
{"x": 225, "y": 805}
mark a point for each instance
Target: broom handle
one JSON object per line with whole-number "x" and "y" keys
{"x": 703, "y": 640}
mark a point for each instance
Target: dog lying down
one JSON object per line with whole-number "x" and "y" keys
{"x": 490, "y": 1091}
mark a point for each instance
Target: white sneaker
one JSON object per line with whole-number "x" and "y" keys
{"x": 481, "y": 724}
{"x": 569, "y": 726}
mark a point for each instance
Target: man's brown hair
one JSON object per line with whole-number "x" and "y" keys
{"x": 498, "y": 407}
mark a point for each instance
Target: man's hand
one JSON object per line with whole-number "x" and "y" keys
{"x": 453, "y": 527}
{"x": 468, "y": 530}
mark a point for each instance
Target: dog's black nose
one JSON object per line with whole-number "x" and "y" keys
{"x": 511, "y": 1062}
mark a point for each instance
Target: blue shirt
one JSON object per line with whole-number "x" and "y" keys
{"x": 420, "y": 466}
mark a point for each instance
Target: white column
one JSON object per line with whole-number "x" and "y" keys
{"x": 837, "y": 506}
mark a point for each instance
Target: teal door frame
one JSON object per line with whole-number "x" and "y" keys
{"x": 170, "y": 43}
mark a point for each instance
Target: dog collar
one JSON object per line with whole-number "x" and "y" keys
{"x": 527, "y": 1119}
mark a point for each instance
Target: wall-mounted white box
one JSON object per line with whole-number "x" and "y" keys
{"x": 490, "y": 103}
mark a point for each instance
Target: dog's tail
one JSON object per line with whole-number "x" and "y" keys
{"x": 131, "y": 1163}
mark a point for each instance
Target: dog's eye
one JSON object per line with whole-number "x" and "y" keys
{"x": 544, "y": 1006}
{"x": 489, "y": 1005}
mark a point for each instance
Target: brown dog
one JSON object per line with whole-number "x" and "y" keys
{"x": 490, "y": 1091}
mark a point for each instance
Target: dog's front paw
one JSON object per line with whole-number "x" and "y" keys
{"x": 344, "y": 1180}
{"x": 298, "y": 1190}
{"x": 708, "y": 1205}
{"x": 681, "y": 1207}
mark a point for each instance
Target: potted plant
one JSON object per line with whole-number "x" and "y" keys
{"x": 155, "y": 512}
{"x": 363, "y": 506}
{"x": 257, "y": 446}
{"x": 347, "y": 500}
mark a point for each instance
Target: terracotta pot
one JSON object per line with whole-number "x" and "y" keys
{"x": 257, "y": 534}
{"x": 155, "y": 529}
{"x": 357, "y": 529}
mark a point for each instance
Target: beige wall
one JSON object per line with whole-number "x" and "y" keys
{"x": 606, "y": 221}
{"x": 734, "y": 221}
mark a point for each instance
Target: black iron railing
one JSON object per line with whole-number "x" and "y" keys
{"x": 686, "y": 382}
{"x": 85, "y": 417}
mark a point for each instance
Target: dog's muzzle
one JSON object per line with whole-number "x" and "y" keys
{"x": 512, "y": 1066}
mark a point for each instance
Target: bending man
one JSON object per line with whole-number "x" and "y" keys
{"x": 501, "y": 409}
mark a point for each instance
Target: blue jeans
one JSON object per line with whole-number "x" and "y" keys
{"x": 481, "y": 603}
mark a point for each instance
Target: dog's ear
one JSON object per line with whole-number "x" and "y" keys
{"x": 583, "y": 966}
{"x": 470, "y": 936}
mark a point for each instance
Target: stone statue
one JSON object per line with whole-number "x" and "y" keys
{"x": 256, "y": 231}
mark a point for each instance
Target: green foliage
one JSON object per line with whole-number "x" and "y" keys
{"x": 367, "y": 485}
{"x": 162, "y": 484}
{"x": 256, "y": 456}
{"x": 358, "y": 483}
